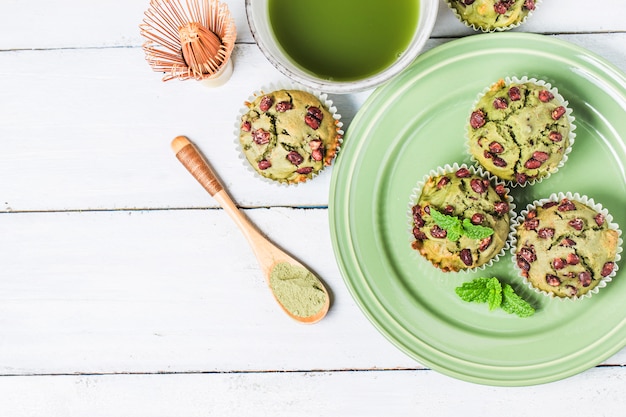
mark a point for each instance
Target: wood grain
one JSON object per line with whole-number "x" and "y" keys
{"x": 125, "y": 290}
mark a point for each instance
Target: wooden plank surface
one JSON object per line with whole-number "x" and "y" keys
{"x": 125, "y": 291}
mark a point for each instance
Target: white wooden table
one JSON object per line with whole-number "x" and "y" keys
{"x": 124, "y": 290}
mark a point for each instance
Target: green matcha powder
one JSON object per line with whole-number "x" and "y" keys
{"x": 297, "y": 289}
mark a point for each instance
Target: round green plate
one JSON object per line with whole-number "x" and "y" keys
{"x": 415, "y": 123}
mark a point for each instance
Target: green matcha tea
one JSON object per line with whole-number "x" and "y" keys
{"x": 344, "y": 40}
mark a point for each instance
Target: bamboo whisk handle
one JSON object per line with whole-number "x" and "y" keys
{"x": 191, "y": 159}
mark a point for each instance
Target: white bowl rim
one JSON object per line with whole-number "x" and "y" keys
{"x": 427, "y": 16}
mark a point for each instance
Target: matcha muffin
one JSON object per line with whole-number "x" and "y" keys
{"x": 520, "y": 130}
{"x": 492, "y": 15}
{"x": 460, "y": 218}
{"x": 567, "y": 246}
{"x": 289, "y": 135}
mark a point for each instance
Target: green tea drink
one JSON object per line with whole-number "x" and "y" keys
{"x": 344, "y": 40}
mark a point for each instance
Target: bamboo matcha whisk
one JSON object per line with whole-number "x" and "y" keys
{"x": 190, "y": 39}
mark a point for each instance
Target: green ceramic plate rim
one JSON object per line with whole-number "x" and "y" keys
{"x": 390, "y": 319}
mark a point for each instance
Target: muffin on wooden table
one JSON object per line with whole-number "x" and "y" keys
{"x": 289, "y": 135}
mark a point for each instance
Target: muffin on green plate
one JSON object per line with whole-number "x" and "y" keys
{"x": 567, "y": 246}
{"x": 460, "y": 218}
{"x": 520, "y": 130}
{"x": 493, "y": 15}
{"x": 289, "y": 135}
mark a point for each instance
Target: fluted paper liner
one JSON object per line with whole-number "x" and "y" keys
{"x": 324, "y": 100}
{"x": 589, "y": 202}
{"x": 494, "y": 29}
{"x": 568, "y": 113}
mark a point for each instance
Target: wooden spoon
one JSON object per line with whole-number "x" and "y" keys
{"x": 266, "y": 252}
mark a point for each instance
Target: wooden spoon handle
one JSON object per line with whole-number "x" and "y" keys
{"x": 189, "y": 156}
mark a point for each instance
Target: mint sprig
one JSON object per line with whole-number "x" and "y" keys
{"x": 495, "y": 294}
{"x": 455, "y": 228}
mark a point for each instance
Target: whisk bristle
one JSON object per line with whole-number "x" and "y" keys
{"x": 190, "y": 40}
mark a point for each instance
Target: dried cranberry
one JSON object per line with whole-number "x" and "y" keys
{"x": 500, "y": 190}
{"x": 559, "y": 263}
{"x": 438, "y": 232}
{"x": 541, "y": 156}
{"x": 496, "y": 147}
{"x": 418, "y": 219}
{"x": 261, "y": 137}
{"x": 553, "y": 280}
{"x": 500, "y": 103}
{"x": 607, "y": 268}
{"x": 484, "y": 244}
{"x": 514, "y": 94}
{"x": 499, "y": 162}
{"x": 266, "y": 103}
{"x": 246, "y": 126}
{"x": 478, "y": 186}
{"x": 566, "y": 205}
{"x": 283, "y": 106}
{"x": 572, "y": 259}
{"x": 545, "y": 233}
{"x": 545, "y": 96}
{"x": 532, "y": 163}
{"x": 528, "y": 254}
{"x": 419, "y": 235}
{"x": 313, "y": 117}
{"x": 463, "y": 173}
{"x": 477, "y": 218}
{"x": 315, "y": 144}
{"x": 317, "y": 155}
{"x": 501, "y": 207}
{"x": 500, "y": 7}
{"x": 520, "y": 178}
{"x": 529, "y": 5}
{"x": 567, "y": 242}
{"x": 442, "y": 182}
{"x": 555, "y": 136}
{"x": 599, "y": 219}
{"x": 304, "y": 170}
{"x": 477, "y": 119}
{"x": 466, "y": 257}
{"x": 264, "y": 164}
{"x": 522, "y": 264}
{"x": 576, "y": 224}
{"x": 531, "y": 224}
{"x": 558, "y": 113}
{"x": 584, "y": 278}
{"x": 295, "y": 158}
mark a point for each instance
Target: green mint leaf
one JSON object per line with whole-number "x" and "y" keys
{"x": 476, "y": 290}
{"x": 495, "y": 293}
{"x": 474, "y": 231}
{"x": 514, "y": 304}
{"x": 450, "y": 224}
{"x": 444, "y": 221}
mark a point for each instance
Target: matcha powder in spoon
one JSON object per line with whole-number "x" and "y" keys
{"x": 297, "y": 289}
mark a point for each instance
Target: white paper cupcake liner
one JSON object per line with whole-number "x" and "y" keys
{"x": 486, "y": 29}
{"x": 417, "y": 191}
{"x": 322, "y": 97}
{"x": 568, "y": 113}
{"x": 589, "y": 202}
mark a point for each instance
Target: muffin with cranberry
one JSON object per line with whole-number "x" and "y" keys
{"x": 567, "y": 246}
{"x": 289, "y": 135}
{"x": 460, "y": 218}
{"x": 521, "y": 131}
{"x": 493, "y": 15}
